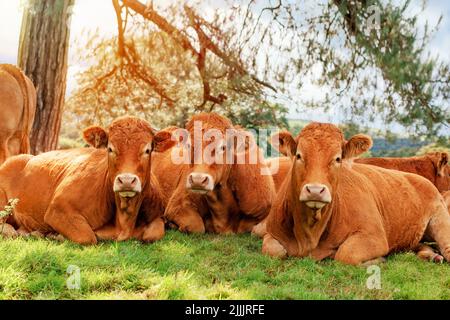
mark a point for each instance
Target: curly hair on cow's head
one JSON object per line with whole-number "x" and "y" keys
{"x": 316, "y": 130}
{"x": 131, "y": 127}
{"x": 210, "y": 120}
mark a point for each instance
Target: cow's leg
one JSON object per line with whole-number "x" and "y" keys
{"x": 260, "y": 229}
{"x": 108, "y": 232}
{"x": 247, "y": 224}
{"x": 8, "y": 231}
{"x": 360, "y": 248}
{"x": 322, "y": 252}
{"x": 14, "y": 144}
{"x": 4, "y": 151}
{"x": 273, "y": 247}
{"x": 427, "y": 253}
{"x": 439, "y": 230}
{"x": 73, "y": 226}
{"x": 154, "y": 231}
{"x": 188, "y": 220}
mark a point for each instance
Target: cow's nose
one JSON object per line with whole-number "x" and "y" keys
{"x": 200, "y": 181}
{"x": 315, "y": 192}
{"x": 127, "y": 182}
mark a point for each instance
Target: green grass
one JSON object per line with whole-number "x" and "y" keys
{"x": 202, "y": 267}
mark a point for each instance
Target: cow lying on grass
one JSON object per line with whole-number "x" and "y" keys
{"x": 329, "y": 207}
{"x": 433, "y": 166}
{"x": 17, "y": 108}
{"x": 212, "y": 195}
{"x": 85, "y": 193}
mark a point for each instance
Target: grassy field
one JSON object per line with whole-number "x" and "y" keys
{"x": 202, "y": 267}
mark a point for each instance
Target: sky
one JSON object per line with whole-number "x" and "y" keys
{"x": 90, "y": 15}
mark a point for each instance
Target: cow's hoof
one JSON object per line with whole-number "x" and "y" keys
{"x": 8, "y": 231}
{"x": 273, "y": 247}
{"x": 374, "y": 262}
{"x": 438, "y": 259}
{"x": 37, "y": 234}
{"x": 193, "y": 229}
{"x": 56, "y": 237}
{"x": 259, "y": 230}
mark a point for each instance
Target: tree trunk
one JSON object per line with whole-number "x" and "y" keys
{"x": 43, "y": 54}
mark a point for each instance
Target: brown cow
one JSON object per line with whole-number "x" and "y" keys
{"x": 76, "y": 192}
{"x": 353, "y": 213}
{"x": 17, "y": 109}
{"x": 213, "y": 196}
{"x": 433, "y": 166}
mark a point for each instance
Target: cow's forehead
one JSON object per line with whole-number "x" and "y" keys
{"x": 321, "y": 137}
{"x": 130, "y": 131}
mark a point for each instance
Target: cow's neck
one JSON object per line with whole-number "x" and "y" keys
{"x": 308, "y": 225}
{"x": 222, "y": 204}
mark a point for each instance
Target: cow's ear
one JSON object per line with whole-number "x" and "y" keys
{"x": 284, "y": 143}
{"x": 163, "y": 141}
{"x": 440, "y": 161}
{"x": 96, "y": 137}
{"x": 357, "y": 145}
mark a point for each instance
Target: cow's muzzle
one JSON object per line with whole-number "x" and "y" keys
{"x": 127, "y": 185}
{"x": 200, "y": 182}
{"x": 315, "y": 196}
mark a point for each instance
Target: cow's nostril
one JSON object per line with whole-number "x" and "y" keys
{"x": 307, "y": 189}
{"x": 205, "y": 181}
{"x": 120, "y": 180}
{"x": 191, "y": 180}
{"x": 133, "y": 182}
{"x": 323, "y": 189}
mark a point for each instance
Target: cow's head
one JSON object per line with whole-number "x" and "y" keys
{"x": 214, "y": 145}
{"x": 129, "y": 143}
{"x": 318, "y": 153}
{"x": 442, "y": 170}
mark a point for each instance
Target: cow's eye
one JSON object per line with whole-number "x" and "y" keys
{"x": 298, "y": 156}
{"x": 110, "y": 150}
{"x": 338, "y": 159}
{"x": 148, "y": 151}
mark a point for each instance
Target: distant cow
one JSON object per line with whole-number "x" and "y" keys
{"x": 329, "y": 207}
{"x": 433, "y": 166}
{"x": 213, "y": 196}
{"x": 84, "y": 193}
{"x": 17, "y": 109}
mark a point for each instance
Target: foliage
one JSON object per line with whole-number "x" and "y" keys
{"x": 241, "y": 59}
{"x": 434, "y": 147}
{"x": 121, "y": 93}
{"x": 202, "y": 267}
{"x": 9, "y": 208}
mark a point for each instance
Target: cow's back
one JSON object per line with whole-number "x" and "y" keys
{"x": 74, "y": 176}
{"x": 417, "y": 165}
{"x": 402, "y": 202}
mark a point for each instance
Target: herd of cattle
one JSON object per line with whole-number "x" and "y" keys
{"x": 321, "y": 202}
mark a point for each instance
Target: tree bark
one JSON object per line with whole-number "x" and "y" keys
{"x": 43, "y": 54}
